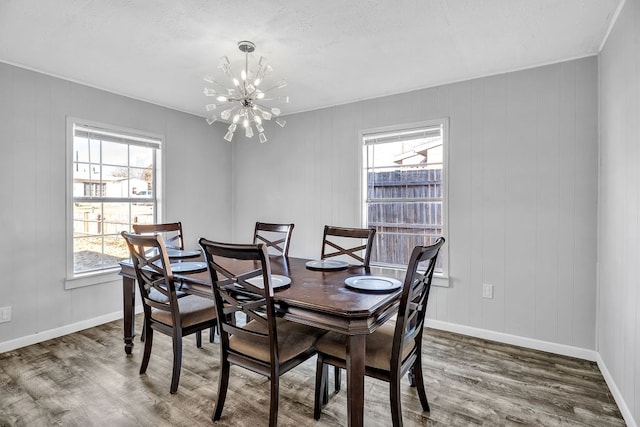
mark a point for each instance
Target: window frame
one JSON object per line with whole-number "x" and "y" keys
{"x": 80, "y": 279}
{"x": 439, "y": 279}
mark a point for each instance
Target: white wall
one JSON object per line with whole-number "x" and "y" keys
{"x": 523, "y": 186}
{"x": 33, "y": 110}
{"x": 619, "y": 207}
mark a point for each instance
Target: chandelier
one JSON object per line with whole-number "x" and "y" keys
{"x": 244, "y": 103}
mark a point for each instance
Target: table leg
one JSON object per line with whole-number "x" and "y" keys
{"x": 128, "y": 304}
{"x": 356, "y": 350}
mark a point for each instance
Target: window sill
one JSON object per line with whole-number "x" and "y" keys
{"x": 442, "y": 281}
{"x": 90, "y": 279}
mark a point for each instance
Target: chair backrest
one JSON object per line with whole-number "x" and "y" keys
{"x": 171, "y": 233}
{"x": 234, "y": 293}
{"x": 276, "y": 236}
{"x": 153, "y": 271}
{"x": 337, "y": 238}
{"x": 413, "y": 302}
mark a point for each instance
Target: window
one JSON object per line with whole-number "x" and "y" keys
{"x": 113, "y": 183}
{"x": 405, "y": 190}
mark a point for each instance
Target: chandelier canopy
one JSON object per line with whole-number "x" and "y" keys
{"x": 245, "y": 102}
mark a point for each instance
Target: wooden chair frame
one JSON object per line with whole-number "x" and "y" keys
{"x": 233, "y": 294}
{"x": 409, "y": 326}
{"x": 344, "y": 232}
{"x": 172, "y": 242}
{"x": 158, "y": 292}
{"x": 281, "y": 245}
{"x": 328, "y": 244}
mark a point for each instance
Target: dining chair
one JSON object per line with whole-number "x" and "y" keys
{"x": 171, "y": 233}
{"x": 275, "y": 236}
{"x": 338, "y": 241}
{"x": 395, "y": 347}
{"x": 267, "y": 345}
{"x": 174, "y": 239}
{"x": 163, "y": 310}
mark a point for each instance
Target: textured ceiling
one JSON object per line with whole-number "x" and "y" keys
{"x": 331, "y": 51}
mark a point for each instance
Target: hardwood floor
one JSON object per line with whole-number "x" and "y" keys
{"x": 85, "y": 379}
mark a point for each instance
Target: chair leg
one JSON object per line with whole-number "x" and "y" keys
{"x": 411, "y": 377}
{"x": 419, "y": 383}
{"x": 148, "y": 342}
{"x": 396, "y": 407}
{"x": 338, "y": 377}
{"x": 177, "y": 360}
{"x": 273, "y": 407}
{"x": 212, "y": 334}
{"x": 222, "y": 390}
{"x": 321, "y": 391}
{"x": 199, "y": 339}
{"x": 325, "y": 391}
{"x": 144, "y": 331}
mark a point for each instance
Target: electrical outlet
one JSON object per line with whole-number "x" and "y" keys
{"x": 5, "y": 314}
{"x": 487, "y": 290}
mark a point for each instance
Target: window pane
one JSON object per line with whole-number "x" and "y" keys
{"x": 80, "y": 150}
{"x": 141, "y": 156}
{"x": 114, "y": 153}
{"x": 94, "y": 151}
{"x": 142, "y": 213}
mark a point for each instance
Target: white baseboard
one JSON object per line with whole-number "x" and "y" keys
{"x": 61, "y": 331}
{"x": 562, "y": 349}
{"x": 613, "y": 387}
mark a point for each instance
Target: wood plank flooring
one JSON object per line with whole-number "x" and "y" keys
{"x": 85, "y": 379}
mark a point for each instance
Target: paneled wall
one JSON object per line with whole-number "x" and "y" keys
{"x": 619, "y": 207}
{"x": 33, "y": 110}
{"x": 522, "y": 192}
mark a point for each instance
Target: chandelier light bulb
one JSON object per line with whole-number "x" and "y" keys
{"x": 245, "y": 123}
{"x": 226, "y": 114}
{"x": 249, "y": 132}
{"x": 222, "y": 98}
{"x": 275, "y": 111}
{"x": 257, "y": 119}
{"x": 210, "y": 107}
{"x": 266, "y": 115}
{"x": 236, "y": 82}
{"x": 257, "y": 82}
{"x": 232, "y": 127}
{"x": 236, "y": 118}
{"x": 259, "y": 127}
{"x": 260, "y": 95}
{"x": 243, "y": 75}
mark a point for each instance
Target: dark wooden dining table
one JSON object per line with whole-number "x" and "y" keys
{"x": 316, "y": 298}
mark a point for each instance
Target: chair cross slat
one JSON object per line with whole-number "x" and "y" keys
{"x": 334, "y": 238}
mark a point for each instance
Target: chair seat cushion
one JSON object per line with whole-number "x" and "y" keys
{"x": 293, "y": 339}
{"x": 193, "y": 310}
{"x": 379, "y": 344}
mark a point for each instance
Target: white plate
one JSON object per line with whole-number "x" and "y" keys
{"x": 188, "y": 267}
{"x": 179, "y": 253}
{"x": 373, "y": 283}
{"x": 277, "y": 281}
{"x": 325, "y": 264}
